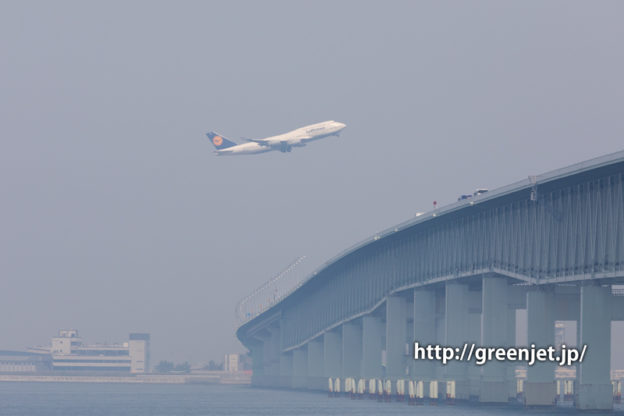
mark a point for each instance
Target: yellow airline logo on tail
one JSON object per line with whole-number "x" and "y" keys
{"x": 217, "y": 140}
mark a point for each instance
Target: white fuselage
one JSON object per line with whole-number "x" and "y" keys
{"x": 285, "y": 142}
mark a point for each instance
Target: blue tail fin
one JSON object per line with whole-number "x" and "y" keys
{"x": 219, "y": 141}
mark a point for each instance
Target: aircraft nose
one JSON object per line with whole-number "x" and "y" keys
{"x": 341, "y": 125}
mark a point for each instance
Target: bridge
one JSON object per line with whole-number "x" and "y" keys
{"x": 552, "y": 245}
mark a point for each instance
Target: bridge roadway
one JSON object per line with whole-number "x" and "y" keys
{"x": 552, "y": 244}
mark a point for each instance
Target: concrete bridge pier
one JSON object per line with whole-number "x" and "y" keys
{"x": 494, "y": 332}
{"x": 396, "y": 335}
{"x": 372, "y": 345}
{"x": 300, "y": 368}
{"x": 540, "y": 388}
{"x": 316, "y": 376}
{"x": 456, "y": 334}
{"x": 352, "y": 349}
{"x": 286, "y": 369}
{"x": 425, "y": 334}
{"x": 332, "y": 354}
{"x": 409, "y": 334}
{"x": 257, "y": 377}
{"x": 516, "y": 300}
{"x": 271, "y": 352}
{"x": 510, "y": 367}
{"x": 265, "y": 355}
{"x": 594, "y": 380}
{"x": 474, "y": 336}
{"x": 440, "y": 326}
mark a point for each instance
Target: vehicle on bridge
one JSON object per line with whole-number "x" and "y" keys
{"x": 479, "y": 191}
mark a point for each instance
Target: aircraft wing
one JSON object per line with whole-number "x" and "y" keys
{"x": 282, "y": 144}
{"x": 261, "y": 142}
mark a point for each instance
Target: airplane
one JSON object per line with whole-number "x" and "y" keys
{"x": 282, "y": 142}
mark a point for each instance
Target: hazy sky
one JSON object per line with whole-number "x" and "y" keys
{"x": 116, "y": 216}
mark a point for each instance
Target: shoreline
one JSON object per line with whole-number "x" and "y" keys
{"x": 229, "y": 378}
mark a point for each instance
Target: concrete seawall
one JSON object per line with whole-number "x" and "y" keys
{"x": 216, "y": 378}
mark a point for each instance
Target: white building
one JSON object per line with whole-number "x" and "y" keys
{"x": 230, "y": 363}
{"x": 70, "y": 354}
{"x": 138, "y": 349}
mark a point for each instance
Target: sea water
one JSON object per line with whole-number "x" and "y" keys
{"x": 85, "y": 399}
